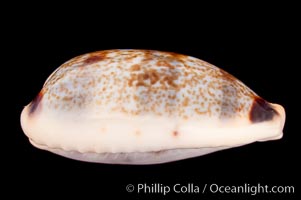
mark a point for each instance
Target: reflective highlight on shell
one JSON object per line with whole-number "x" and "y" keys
{"x": 145, "y": 107}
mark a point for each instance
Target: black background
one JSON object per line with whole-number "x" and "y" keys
{"x": 259, "y": 49}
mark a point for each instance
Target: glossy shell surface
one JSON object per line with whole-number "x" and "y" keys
{"x": 145, "y": 107}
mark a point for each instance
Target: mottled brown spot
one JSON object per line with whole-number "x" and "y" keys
{"x": 135, "y": 67}
{"x": 148, "y": 56}
{"x": 261, "y": 111}
{"x": 67, "y": 98}
{"x": 93, "y": 59}
{"x": 154, "y": 76}
{"x": 165, "y": 64}
{"x": 175, "y": 133}
{"x": 145, "y": 76}
{"x": 140, "y": 80}
{"x": 185, "y": 102}
{"x": 177, "y": 56}
{"x": 170, "y": 81}
{"x": 141, "y": 83}
{"x": 210, "y": 93}
{"x": 173, "y": 97}
{"x": 200, "y": 112}
{"x": 35, "y": 104}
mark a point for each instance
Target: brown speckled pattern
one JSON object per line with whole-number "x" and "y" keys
{"x": 144, "y": 82}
